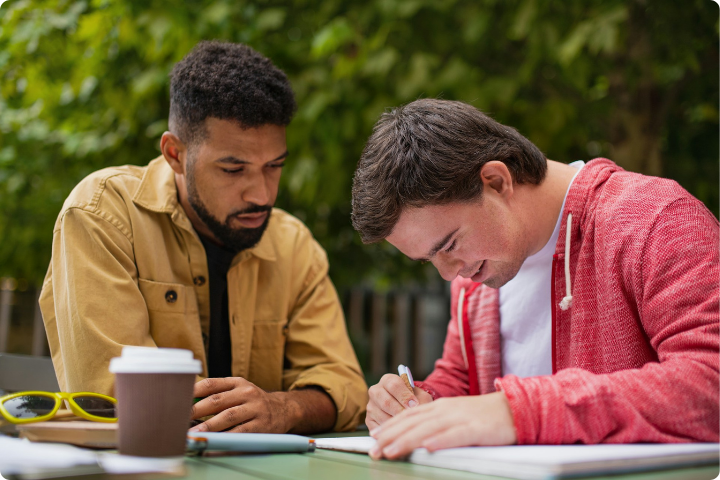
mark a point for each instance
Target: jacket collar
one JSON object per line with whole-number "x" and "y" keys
{"x": 158, "y": 193}
{"x": 583, "y": 195}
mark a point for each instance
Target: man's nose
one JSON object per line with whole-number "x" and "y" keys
{"x": 257, "y": 192}
{"x": 448, "y": 269}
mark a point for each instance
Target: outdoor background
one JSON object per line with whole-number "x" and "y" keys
{"x": 84, "y": 85}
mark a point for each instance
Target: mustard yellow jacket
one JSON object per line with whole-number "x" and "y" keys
{"x": 129, "y": 269}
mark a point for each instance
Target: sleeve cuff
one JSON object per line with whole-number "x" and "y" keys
{"x": 536, "y": 408}
{"x": 428, "y": 389}
{"x": 347, "y": 399}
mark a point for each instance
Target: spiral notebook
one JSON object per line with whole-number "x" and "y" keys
{"x": 533, "y": 462}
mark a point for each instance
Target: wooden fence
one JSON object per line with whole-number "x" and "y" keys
{"x": 387, "y": 328}
{"x": 399, "y": 326}
{"x": 21, "y": 325}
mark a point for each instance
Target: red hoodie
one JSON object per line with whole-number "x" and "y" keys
{"x": 635, "y": 343}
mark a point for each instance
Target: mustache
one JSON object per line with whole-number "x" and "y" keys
{"x": 253, "y": 208}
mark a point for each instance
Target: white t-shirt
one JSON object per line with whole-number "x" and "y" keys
{"x": 526, "y": 311}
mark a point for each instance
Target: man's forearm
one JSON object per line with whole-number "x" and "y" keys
{"x": 309, "y": 410}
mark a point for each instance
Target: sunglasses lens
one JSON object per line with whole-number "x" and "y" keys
{"x": 29, "y": 406}
{"x": 96, "y": 406}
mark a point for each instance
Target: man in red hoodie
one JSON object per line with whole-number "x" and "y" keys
{"x": 584, "y": 297}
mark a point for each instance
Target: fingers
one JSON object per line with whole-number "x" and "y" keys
{"x": 445, "y": 423}
{"x": 207, "y": 387}
{"x": 371, "y": 424}
{"x": 382, "y": 400}
{"x": 375, "y": 415}
{"x": 388, "y": 398}
{"x": 395, "y": 386}
{"x": 408, "y": 432}
{"x": 450, "y": 438}
{"x": 219, "y": 397}
{"x": 231, "y": 417}
{"x": 422, "y": 396}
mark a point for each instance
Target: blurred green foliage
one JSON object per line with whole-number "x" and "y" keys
{"x": 85, "y": 85}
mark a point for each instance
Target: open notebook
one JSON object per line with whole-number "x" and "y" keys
{"x": 550, "y": 461}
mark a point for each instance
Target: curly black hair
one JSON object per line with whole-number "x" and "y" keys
{"x": 228, "y": 81}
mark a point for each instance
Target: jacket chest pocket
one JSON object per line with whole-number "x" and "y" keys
{"x": 267, "y": 355}
{"x": 173, "y": 312}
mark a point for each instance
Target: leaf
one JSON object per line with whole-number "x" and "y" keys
{"x": 87, "y": 88}
{"x": 216, "y": 13}
{"x": 523, "y": 20}
{"x": 381, "y": 62}
{"x": 599, "y": 35}
{"x": 331, "y": 37}
{"x": 270, "y": 19}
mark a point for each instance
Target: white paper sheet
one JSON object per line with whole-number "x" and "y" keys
{"x": 556, "y": 461}
{"x": 346, "y": 444}
{"x": 548, "y": 461}
{"x": 22, "y": 456}
{"x": 17, "y": 456}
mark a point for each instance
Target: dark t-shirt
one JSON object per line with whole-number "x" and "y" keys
{"x": 219, "y": 354}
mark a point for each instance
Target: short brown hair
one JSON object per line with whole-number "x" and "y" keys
{"x": 430, "y": 152}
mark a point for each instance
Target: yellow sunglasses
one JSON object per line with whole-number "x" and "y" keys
{"x": 27, "y": 407}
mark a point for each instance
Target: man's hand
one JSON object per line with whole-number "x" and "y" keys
{"x": 241, "y": 406}
{"x": 389, "y": 398}
{"x": 447, "y": 423}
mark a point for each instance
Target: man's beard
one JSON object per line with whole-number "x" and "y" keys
{"x": 233, "y": 239}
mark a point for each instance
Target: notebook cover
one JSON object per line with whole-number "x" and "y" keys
{"x": 76, "y": 432}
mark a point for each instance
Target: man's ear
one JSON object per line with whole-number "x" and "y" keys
{"x": 497, "y": 176}
{"x": 174, "y": 151}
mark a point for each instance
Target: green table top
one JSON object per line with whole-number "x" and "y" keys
{"x": 332, "y": 465}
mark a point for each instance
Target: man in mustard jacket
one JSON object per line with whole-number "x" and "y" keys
{"x": 187, "y": 252}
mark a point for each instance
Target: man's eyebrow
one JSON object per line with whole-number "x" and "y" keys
{"x": 437, "y": 247}
{"x": 237, "y": 161}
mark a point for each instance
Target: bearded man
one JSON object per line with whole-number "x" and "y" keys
{"x": 188, "y": 252}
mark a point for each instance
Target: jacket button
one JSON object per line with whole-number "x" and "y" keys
{"x": 199, "y": 280}
{"x": 171, "y": 296}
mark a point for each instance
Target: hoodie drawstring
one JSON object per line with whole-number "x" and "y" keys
{"x": 461, "y": 333}
{"x": 567, "y": 301}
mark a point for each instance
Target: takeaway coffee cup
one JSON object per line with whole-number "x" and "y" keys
{"x": 154, "y": 389}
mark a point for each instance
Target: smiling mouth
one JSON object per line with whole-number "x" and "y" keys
{"x": 478, "y": 270}
{"x": 476, "y": 276}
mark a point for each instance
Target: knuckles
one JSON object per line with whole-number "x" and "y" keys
{"x": 388, "y": 405}
{"x": 248, "y": 391}
{"x": 374, "y": 391}
{"x": 231, "y": 416}
{"x": 216, "y": 400}
{"x": 208, "y": 384}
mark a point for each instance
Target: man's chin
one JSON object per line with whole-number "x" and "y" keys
{"x": 493, "y": 282}
{"x": 498, "y": 279}
{"x": 243, "y": 238}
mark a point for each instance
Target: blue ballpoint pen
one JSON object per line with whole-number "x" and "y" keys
{"x": 250, "y": 442}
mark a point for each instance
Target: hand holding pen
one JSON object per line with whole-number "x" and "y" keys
{"x": 393, "y": 395}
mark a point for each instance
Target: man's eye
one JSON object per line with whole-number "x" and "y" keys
{"x": 451, "y": 247}
{"x": 277, "y": 165}
{"x": 236, "y": 170}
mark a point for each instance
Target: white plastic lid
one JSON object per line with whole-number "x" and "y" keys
{"x": 155, "y": 360}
